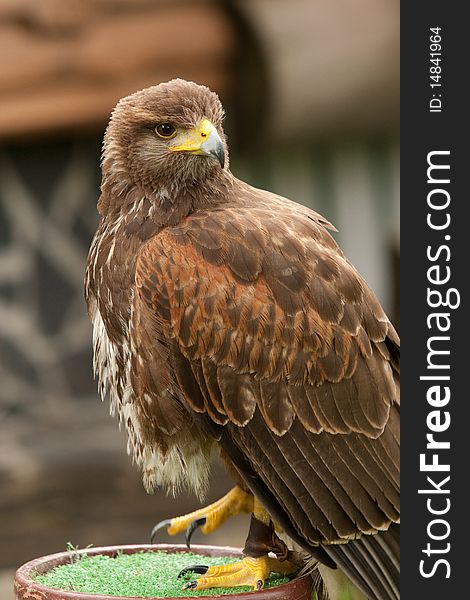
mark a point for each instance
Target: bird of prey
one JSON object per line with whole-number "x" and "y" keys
{"x": 227, "y": 317}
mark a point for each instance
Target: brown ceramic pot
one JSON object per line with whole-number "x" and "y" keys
{"x": 27, "y": 589}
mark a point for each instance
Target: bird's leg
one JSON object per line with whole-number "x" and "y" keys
{"x": 256, "y": 566}
{"x": 210, "y": 517}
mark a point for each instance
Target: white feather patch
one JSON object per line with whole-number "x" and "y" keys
{"x": 186, "y": 461}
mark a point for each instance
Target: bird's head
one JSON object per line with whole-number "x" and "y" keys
{"x": 164, "y": 138}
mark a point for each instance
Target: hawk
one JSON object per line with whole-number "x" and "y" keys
{"x": 227, "y": 317}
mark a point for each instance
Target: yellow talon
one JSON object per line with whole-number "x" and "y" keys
{"x": 233, "y": 503}
{"x": 247, "y": 572}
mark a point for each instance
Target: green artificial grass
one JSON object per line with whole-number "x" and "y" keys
{"x": 145, "y": 574}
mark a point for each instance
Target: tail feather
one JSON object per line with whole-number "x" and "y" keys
{"x": 372, "y": 563}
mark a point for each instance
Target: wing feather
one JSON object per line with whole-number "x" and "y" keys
{"x": 278, "y": 340}
{"x": 237, "y": 395}
{"x": 275, "y": 406}
{"x": 209, "y": 371}
{"x": 303, "y": 409}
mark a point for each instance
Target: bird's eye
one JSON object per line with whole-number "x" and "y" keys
{"x": 165, "y": 130}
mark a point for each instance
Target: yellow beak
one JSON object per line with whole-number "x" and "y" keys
{"x": 202, "y": 140}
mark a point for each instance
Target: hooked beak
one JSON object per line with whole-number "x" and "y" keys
{"x": 202, "y": 140}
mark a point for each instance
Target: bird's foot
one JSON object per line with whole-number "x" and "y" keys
{"x": 210, "y": 517}
{"x": 250, "y": 571}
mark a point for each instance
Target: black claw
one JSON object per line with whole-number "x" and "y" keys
{"x": 259, "y": 584}
{"x": 199, "y": 569}
{"x": 192, "y": 528}
{"x": 158, "y": 526}
{"x": 191, "y": 585}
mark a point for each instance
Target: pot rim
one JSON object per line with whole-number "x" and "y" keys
{"x": 25, "y": 583}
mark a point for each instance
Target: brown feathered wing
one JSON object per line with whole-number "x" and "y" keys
{"x": 281, "y": 352}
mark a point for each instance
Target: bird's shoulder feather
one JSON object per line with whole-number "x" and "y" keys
{"x": 264, "y": 311}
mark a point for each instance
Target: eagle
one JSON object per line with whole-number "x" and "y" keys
{"x": 227, "y": 319}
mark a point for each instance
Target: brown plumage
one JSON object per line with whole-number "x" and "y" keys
{"x": 228, "y": 315}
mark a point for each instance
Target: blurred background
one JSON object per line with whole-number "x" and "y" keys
{"x": 311, "y": 90}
